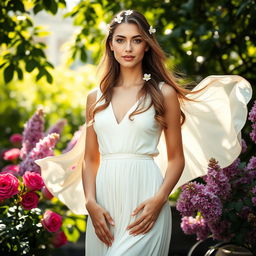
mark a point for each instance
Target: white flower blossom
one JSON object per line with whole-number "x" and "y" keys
{"x": 152, "y": 30}
{"x": 128, "y": 12}
{"x": 147, "y": 77}
{"x": 118, "y": 19}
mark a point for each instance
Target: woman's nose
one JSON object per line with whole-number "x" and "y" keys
{"x": 128, "y": 46}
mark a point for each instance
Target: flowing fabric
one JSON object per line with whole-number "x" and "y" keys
{"x": 212, "y": 129}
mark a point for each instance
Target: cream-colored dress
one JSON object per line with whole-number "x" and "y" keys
{"x": 134, "y": 160}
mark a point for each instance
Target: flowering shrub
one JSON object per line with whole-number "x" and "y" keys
{"x": 223, "y": 206}
{"x": 32, "y": 221}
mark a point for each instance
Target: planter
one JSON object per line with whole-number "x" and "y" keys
{"x": 233, "y": 250}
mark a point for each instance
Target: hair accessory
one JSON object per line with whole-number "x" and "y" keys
{"x": 147, "y": 77}
{"x": 118, "y": 18}
{"x": 151, "y": 30}
{"x": 128, "y": 12}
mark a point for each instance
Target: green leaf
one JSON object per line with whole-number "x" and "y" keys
{"x": 30, "y": 65}
{"x": 19, "y": 73}
{"x": 8, "y": 73}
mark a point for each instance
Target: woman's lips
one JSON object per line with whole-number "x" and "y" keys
{"x": 128, "y": 58}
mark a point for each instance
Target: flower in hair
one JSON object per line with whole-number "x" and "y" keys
{"x": 118, "y": 18}
{"x": 128, "y": 12}
{"x": 151, "y": 30}
{"x": 147, "y": 77}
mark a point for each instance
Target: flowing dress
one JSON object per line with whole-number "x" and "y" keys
{"x": 134, "y": 160}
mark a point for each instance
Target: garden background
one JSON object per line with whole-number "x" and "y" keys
{"x": 200, "y": 38}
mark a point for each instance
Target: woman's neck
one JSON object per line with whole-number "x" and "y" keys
{"x": 130, "y": 77}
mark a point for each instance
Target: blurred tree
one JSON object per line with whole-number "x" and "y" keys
{"x": 17, "y": 38}
{"x": 199, "y": 37}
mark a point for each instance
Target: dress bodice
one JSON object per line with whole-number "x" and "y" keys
{"x": 139, "y": 136}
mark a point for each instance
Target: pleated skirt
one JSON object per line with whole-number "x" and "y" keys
{"x": 124, "y": 181}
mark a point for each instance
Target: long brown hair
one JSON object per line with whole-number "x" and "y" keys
{"x": 153, "y": 63}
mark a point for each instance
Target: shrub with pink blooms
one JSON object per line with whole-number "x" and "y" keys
{"x": 32, "y": 220}
{"x": 223, "y": 204}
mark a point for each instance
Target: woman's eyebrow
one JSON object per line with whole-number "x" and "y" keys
{"x": 125, "y": 37}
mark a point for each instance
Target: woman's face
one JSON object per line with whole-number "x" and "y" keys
{"x": 128, "y": 45}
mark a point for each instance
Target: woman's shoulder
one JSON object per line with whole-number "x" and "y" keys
{"x": 167, "y": 90}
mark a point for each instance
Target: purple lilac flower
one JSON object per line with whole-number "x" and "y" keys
{"x": 33, "y": 132}
{"x": 220, "y": 230}
{"x": 253, "y": 133}
{"x": 73, "y": 141}
{"x": 254, "y": 190}
{"x": 57, "y": 128}
{"x": 185, "y": 203}
{"x": 208, "y": 204}
{"x": 252, "y": 113}
{"x": 196, "y": 226}
{"x": 254, "y": 201}
{"x": 233, "y": 169}
{"x": 42, "y": 149}
{"x": 217, "y": 181}
{"x": 252, "y": 163}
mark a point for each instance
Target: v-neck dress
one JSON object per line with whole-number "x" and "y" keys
{"x": 134, "y": 152}
{"x": 127, "y": 176}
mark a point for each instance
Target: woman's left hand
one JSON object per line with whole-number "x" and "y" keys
{"x": 150, "y": 211}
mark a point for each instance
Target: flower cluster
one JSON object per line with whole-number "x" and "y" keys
{"x": 224, "y": 205}
{"x": 31, "y": 216}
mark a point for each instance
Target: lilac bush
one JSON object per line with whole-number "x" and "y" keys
{"x": 223, "y": 206}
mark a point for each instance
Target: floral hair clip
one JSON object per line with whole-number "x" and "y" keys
{"x": 118, "y": 18}
{"x": 151, "y": 30}
{"x": 147, "y": 77}
{"x": 128, "y": 12}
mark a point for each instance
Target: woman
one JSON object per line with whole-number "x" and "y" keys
{"x": 125, "y": 195}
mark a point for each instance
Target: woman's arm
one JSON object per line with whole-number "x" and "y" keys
{"x": 99, "y": 216}
{"x": 176, "y": 162}
{"x": 91, "y": 156}
{"x": 173, "y": 138}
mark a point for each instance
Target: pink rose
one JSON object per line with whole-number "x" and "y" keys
{"x": 46, "y": 193}
{"x": 29, "y": 200}
{"x": 59, "y": 239}
{"x": 9, "y": 185}
{"x": 11, "y": 154}
{"x": 33, "y": 180}
{"x": 51, "y": 221}
{"x": 11, "y": 168}
{"x": 16, "y": 139}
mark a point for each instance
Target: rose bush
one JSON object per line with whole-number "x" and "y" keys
{"x": 32, "y": 220}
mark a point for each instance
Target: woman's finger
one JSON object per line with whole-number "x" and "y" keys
{"x": 136, "y": 222}
{"x": 140, "y": 227}
{"x": 148, "y": 228}
{"x": 109, "y": 218}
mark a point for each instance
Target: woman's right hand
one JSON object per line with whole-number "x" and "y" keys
{"x": 100, "y": 217}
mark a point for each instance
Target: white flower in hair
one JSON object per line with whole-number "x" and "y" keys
{"x": 152, "y": 30}
{"x": 147, "y": 77}
{"x": 128, "y": 12}
{"x": 118, "y": 18}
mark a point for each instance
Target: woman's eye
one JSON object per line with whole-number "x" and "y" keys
{"x": 137, "y": 41}
{"x": 119, "y": 40}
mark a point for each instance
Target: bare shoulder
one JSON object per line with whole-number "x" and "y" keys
{"x": 169, "y": 92}
{"x": 92, "y": 96}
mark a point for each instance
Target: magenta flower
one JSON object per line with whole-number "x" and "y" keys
{"x": 51, "y": 221}
{"x": 9, "y": 185}
{"x": 33, "y": 180}
{"x": 59, "y": 239}
{"x": 11, "y": 154}
{"x": 11, "y": 168}
{"x": 16, "y": 139}
{"x": 46, "y": 193}
{"x": 29, "y": 200}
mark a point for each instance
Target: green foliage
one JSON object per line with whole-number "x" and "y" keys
{"x": 65, "y": 98}
{"x": 18, "y": 38}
